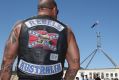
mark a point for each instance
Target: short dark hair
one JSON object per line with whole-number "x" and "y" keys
{"x": 51, "y": 1}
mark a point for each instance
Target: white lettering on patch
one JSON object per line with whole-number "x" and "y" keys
{"x": 51, "y": 23}
{"x": 39, "y": 69}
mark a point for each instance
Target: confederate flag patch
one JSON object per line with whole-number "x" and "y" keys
{"x": 41, "y": 38}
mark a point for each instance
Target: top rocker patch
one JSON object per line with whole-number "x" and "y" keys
{"x": 50, "y": 23}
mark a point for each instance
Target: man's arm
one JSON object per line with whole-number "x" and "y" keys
{"x": 10, "y": 53}
{"x": 72, "y": 57}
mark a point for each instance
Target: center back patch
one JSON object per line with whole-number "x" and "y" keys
{"x": 41, "y": 38}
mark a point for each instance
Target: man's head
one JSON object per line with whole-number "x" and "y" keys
{"x": 47, "y": 7}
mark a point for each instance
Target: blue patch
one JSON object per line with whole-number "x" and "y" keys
{"x": 39, "y": 69}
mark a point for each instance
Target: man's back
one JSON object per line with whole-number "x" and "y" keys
{"x": 41, "y": 49}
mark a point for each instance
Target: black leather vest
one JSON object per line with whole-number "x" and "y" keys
{"x": 42, "y": 48}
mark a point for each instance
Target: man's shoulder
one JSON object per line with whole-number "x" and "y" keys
{"x": 61, "y": 22}
{"x": 18, "y": 23}
{"x": 31, "y": 17}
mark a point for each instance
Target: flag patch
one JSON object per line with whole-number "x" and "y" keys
{"x": 41, "y": 38}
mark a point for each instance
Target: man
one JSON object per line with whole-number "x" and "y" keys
{"x": 86, "y": 77}
{"x": 77, "y": 78}
{"x": 97, "y": 77}
{"x": 42, "y": 43}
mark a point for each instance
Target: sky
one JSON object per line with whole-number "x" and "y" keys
{"x": 80, "y": 15}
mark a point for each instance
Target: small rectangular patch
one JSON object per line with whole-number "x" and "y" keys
{"x": 54, "y": 57}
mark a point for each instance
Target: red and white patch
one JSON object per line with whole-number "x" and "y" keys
{"x": 41, "y": 38}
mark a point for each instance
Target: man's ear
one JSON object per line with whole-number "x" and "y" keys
{"x": 56, "y": 11}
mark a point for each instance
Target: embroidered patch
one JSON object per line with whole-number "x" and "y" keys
{"x": 50, "y": 23}
{"x": 39, "y": 69}
{"x": 54, "y": 57}
{"x": 41, "y": 38}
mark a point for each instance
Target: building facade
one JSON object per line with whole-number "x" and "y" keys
{"x": 103, "y": 74}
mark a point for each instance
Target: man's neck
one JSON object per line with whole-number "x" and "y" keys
{"x": 55, "y": 17}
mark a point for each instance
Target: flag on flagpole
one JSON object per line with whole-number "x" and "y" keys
{"x": 96, "y": 23}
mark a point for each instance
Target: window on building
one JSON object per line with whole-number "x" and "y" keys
{"x": 107, "y": 74}
{"x": 106, "y": 79}
{"x": 82, "y": 75}
{"x": 111, "y": 74}
{"x": 98, "y": 74}
{"x": 94, "y": 75}
{"x": 102, "y": 75}
{"x": 116, "y": 75}
{"x": 112, "y": 79}
{"x": 90, "y": 75}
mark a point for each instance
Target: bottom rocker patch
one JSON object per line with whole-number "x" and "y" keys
{"x": 39, "y": 69}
